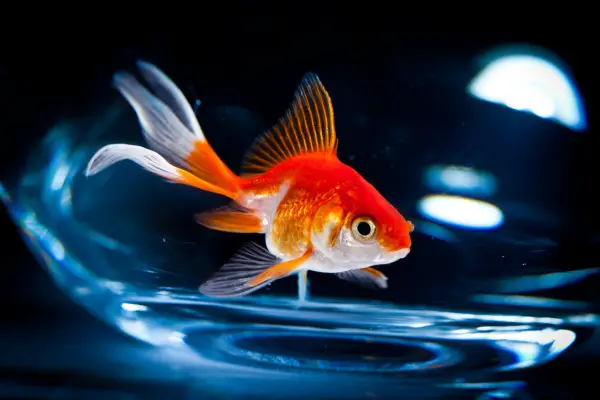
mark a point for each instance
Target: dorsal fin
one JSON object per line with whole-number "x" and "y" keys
{"x": 307, "y": 127}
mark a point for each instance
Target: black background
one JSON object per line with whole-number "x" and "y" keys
{"x": 49, "y": 75}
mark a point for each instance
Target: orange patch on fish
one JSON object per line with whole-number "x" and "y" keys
{"x": 317, "y": 212}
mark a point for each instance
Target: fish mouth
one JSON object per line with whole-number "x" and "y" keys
{"x": 395, "y": 255}
{"x": 401, "y": 253}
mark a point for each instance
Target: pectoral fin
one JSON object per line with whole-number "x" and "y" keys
{"x": 367, "y": 277}
{"x": 278, "y": 271}
{"x": 250, "y": 269}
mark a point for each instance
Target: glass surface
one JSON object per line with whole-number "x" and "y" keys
{"x": 490, "y": 286}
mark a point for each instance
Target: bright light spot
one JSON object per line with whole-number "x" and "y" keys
{"x": 177, "y": 337}
{"x": 133, "y": 307}
{"x": 461, "y": 211}
{"x": 564, "y": 338}
{"x": 57, "y": 249}
{"x": 59, "y": 178}
{"x": 533, "y": 84}
{"x": 114, "y": 286}
{"x": 150, "y": 333}
{"x": 460, "y": 179}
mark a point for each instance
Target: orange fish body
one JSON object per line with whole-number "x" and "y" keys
{"x": 316, "y": 212}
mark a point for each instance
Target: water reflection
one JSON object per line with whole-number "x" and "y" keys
{"x": 460, "y": 179}
{"x": 431, "y": 229}
{"x": 530, "y": 283}
{"x": 115, "y": 260}
{"x": 526, "y": 80}
{"x": 461, "y": 211}
{"x": 261, "y": 333}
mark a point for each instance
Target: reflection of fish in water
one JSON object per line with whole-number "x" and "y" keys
{"x": 317, "y": 213}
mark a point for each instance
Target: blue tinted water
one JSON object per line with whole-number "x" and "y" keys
{"x": 457, "y": 316}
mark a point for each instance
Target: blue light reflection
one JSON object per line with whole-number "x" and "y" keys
{"x": 461, "y": 179}
{"x": 461, "y": 211}
{"x": 530, "y": 83}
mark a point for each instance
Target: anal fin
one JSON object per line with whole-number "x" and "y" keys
{"x": 251, "y": 268}
{"x": 230, "y": 219}
{"x": 369, "y": 278}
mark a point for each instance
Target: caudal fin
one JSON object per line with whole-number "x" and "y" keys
{"x": 181, "y": 152}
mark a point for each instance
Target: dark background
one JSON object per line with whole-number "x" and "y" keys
{"x": 45, "y": 339}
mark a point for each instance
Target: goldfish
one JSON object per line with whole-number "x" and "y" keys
{"x": 316, "y": 212}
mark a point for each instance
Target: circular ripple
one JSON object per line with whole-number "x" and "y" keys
{"x": 273, "y": 334}
{"x": 333, "y": 352}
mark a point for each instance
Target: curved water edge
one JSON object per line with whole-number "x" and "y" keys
{"x": 280, "y": 335}
{"x": 515, "y": 341}
{"x": 276, "y": 333}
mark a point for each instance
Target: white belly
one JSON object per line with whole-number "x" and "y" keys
{"x": 320, "y": 263}
{"x": 324, "y": 268}
{"x": 265, "y": 208}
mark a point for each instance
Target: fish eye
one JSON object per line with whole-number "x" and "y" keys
{"x": 363, "y": 229}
